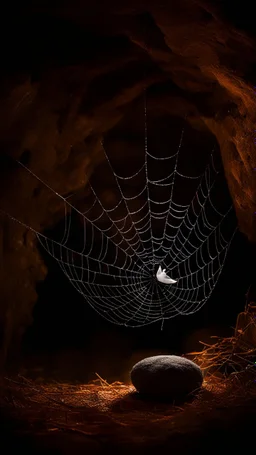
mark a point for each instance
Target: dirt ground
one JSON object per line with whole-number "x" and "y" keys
{"x": 104, "y": 418}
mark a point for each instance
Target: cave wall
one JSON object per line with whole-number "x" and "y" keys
{"x": 70, "y": 79}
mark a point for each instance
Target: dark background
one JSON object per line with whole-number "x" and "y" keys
{"x": 68, "y": 339}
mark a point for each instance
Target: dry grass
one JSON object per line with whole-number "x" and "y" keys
{"x": 99, "y": 409}
{"x": 103, "y": 411}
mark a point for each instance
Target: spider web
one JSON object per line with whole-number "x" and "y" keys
{"x": 114, "y": 263}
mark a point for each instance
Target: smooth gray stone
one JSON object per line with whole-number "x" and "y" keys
{"x": 166, "y": 376}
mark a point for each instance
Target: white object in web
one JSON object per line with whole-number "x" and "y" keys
{"x": 163, "y": 278}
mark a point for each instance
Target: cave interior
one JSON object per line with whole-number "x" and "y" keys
{"x": 76, "y": 75}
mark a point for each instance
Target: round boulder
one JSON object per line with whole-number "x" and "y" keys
{"x": 166, "y": 376}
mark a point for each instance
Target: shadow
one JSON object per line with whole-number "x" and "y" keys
{"x": 135, "y": 401}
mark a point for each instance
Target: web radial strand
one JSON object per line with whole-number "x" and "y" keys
{"x": 168, "y": 212}
{"x": 120, "y": 230}
{"x": 192, "y": 218}
{"x": 109, "y": 240}
{"x": 152, "y": 258}
{"x": 130, "y": 213}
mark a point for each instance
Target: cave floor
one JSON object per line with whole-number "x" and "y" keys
{"x": 56, "y": 418}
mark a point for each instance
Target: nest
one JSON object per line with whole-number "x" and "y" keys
{"x": 101, "y": 411}
{"x": 100, "y": 408}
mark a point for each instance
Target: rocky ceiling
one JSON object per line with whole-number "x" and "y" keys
{"x": 73, "y": 73}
